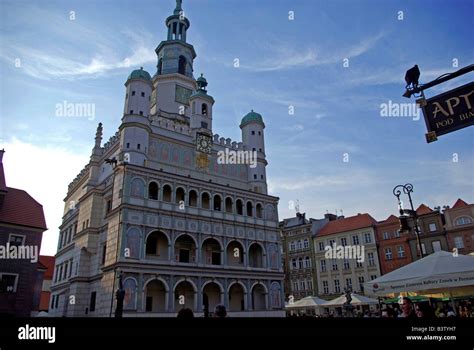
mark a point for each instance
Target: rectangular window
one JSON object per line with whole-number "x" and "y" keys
{"x": 386, "y": 235}
{"x": 334, "y": 265}
{"x": 358, "y": 264}
{"x": 436, "y": 246}
{"x": 323, "y": 265}
{"x": 109, "y": 205}
{"x": 16, "y": 240}
{"x": 295, "y": 286}
{"x": 372, "y": 277}
{"x": 321, "y": 246}
{"x": 347, "y": 265}
{"x": 325, "y": 287}
{"x": 253, "y": 132}
{"x": 355, "y": 240}
{"x": 397, "y": 234}
{"x": 53, "y": 299}
{"x": 204, "y": 125}
{"x": 361, "y": 283}
{"x": 138, "y": 146}
{"x": 133, "y": 93}
{"x": 349, "y": 283}
{"x": 104, "y": 251}
{"x": 57, "y": 302}
{"x": 8, "y": 282}
{"x": 337, "y": 287}
{"x": 432, "y": 227}
{"x": 309, "y": 283}
{"x": 367, "y": 237}
{"x": 142, "y": 94}
{"x": 388, "y": 253}
{"x": 401, "y": 251}
{"x": 370, "y": 257}
{"x": 343, "y": 241}
{"x": 331, "y": 242}
{"x": 92, "y": 303}
{"x": 302, "y": 286}
{"x": 458, "y": 242}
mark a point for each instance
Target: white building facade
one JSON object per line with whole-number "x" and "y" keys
{"x": 337, "y": 273}
{"x": 155, "y": 207}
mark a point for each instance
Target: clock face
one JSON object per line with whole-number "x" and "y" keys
{"x": 204, "y": 143}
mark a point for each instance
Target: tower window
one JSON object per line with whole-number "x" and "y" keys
{"x": 141, "y": 112}
{"x": 131, "y": 111}
{"x": 254, "y": 149}
{"x": 160, "y": 66}
{"x": 128, "y": 144}
{"x": 182, "y": 65}
{"x": 260, "y": 150}
{"x": 253, "y": 132}
{"x": 133, "y": 93}
{"x": 261, "y": 176}
{"x": 255, "y": 176}
{"x": 259, "y": 133}
{"x": 143, "y": 94}
{"x": 204, "y": 109}
{"x": 138, "y": 146}
{"x": 204, "y": 125}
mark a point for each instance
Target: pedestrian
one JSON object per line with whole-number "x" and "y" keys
{"x": 407, "y": 308}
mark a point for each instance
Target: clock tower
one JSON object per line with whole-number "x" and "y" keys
{"x": 174, "y": 82}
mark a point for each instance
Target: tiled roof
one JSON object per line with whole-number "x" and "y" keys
{"x": 347, "y": 224}
{"x": 19, "y": 208}
{"x": 48, "y": 263}
{"x": 423, "y": 209}
{"x": 459, "y": 204}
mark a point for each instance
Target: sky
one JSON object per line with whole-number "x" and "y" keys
{"x": 319, "y": 72}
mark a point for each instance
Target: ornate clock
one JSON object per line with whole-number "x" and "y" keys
{"x": 204, "y": 143}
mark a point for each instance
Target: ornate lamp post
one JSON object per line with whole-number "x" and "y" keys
{"x": 408, "y": 189}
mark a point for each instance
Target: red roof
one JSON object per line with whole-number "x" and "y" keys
{"x": 423, "y": 209}
{"x": 460, "y": 203}
{"x": 347, "y": 224}
{"x": 391, "y": 218}
{"x": 48, "y": 263}
{"x": 19, "y": 208}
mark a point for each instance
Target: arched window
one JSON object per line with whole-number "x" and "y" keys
{"x": 217, "y": 202}
{"x": 204, "y": 109}
{"x": 307, "y": 262}
{"x": 249, "y": 209}
{"x": 259, "y": 210}
{"x": 293, "y": 264}
{"x": 153, "y": 190}
{"x": 182, "y": 65}
{"x": 463, "y": 220}
{"x": 180, "y": 195}
{"x": 194, "y": 107}
{"x": 228, "y": 205}
{"x": 205, "y": 201}
{"x": 193, "y": 197}
{"x": 167, "y": 193}
{"x": 306, "y": 243}
{"x": 240, "y": 207}
{"x": 300, "y": 263}
{"x": 300, "y": 245}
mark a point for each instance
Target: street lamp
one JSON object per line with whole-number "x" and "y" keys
{"x": 408, "y": 213}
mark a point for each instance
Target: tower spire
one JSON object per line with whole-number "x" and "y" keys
{"x": 178, "y": 8}
{"x": 98, "y": 136}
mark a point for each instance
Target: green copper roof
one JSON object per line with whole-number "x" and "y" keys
{"x": 251, "y": 117}
{"x": 140, "y": 74}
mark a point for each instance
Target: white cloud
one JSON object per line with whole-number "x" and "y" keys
{"x": 45, "y": 173}
{"x": 284, "y": 57}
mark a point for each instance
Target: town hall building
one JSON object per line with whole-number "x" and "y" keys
{"x": 156, "y": 214}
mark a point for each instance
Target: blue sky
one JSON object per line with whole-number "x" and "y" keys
{"x": 282, "y": 63}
